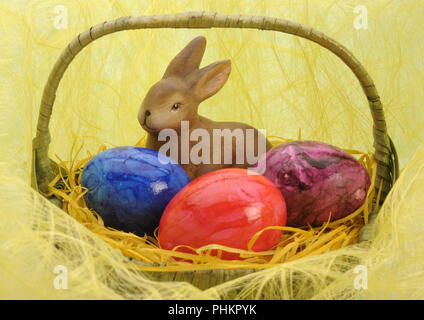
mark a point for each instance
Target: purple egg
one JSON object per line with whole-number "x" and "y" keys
{"x": 316, "y": 179}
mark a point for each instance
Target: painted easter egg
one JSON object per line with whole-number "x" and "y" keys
{"x": 226, "y": 207}
{"x": 316, "y": 179}
{"x": 129, "y": 187}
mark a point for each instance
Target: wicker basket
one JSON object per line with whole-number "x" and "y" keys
{"x": 44, "y": 169}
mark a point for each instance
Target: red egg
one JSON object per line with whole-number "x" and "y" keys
{"x": 226, "y": 207}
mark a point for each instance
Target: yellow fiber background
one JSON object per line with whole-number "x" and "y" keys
{"x": 278, "y": 82}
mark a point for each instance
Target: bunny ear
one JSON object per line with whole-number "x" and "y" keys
{"x": 208, "y": 80}
{"x": 188, "y": 59}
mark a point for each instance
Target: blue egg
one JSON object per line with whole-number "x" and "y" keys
{"x": 129, "y": 187}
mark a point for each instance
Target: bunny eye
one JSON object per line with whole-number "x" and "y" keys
{"x": 176, "y": 106}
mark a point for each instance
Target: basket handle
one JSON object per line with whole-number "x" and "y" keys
{"x": 387, "y": 163}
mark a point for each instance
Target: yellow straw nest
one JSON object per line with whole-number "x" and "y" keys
{"x": 145, "y": 252}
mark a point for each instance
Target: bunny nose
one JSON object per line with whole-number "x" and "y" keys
{"x": 147, "y": 113}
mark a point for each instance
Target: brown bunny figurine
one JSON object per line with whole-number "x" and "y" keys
{"x": 171, "y": 105}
